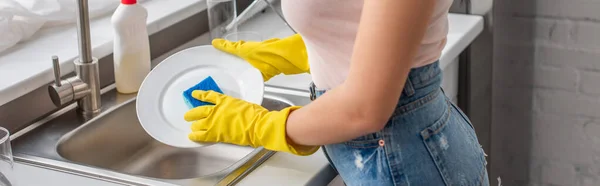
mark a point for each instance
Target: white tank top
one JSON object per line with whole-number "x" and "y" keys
{"x": 329, "y": 28}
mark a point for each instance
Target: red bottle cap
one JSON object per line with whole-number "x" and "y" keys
{"x": 128, "y": 2}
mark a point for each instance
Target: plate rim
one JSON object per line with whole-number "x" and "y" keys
{"x": 141, "y": 118}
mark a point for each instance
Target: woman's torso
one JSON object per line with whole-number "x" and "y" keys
{"x": 329, "y": 28}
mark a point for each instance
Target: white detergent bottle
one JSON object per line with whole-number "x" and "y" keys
{"x": 131, "y": 46}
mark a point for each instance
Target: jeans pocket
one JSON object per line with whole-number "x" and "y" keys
{"x": 436, "y": 143}
{"x": 360, "y": 166}
{"x": 457, "y": 156}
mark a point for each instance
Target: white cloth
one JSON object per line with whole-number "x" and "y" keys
{"x": 21, "y": 19}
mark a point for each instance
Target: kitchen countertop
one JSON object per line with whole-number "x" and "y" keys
{"x": 287, "y": 169}
{"x": 29, "y": 175}
{"x": 281, "y": 169}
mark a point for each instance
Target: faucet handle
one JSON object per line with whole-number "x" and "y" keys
{"x": 56, "y": 67}
{"x": 61, "y": 91}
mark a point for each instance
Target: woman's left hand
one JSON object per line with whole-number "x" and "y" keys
{"x": 236, "y": 121}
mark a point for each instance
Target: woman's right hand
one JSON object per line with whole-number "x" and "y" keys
{"x": 272, "y": 57}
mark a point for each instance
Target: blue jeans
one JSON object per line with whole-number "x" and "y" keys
{"x": 427, "y": 141}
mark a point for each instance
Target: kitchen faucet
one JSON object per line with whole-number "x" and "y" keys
{"x": 85, "y": 85}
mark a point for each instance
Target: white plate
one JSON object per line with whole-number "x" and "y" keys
{"x": 160, "y": 105}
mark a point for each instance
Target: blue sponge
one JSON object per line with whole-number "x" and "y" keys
{"x": 206, "y": 84}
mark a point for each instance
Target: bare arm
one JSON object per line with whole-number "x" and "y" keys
{"x": 388, "y": 38}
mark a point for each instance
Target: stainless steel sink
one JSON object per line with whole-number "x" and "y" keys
{"x": 113, "y": 146}
{"x": 117, "y": 141}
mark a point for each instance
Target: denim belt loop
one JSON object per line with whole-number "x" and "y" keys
{"x": 409, "y": 89}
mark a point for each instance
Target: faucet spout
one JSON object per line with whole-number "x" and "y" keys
{"x": 83, "y": 31}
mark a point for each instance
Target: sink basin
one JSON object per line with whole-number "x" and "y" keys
{"x": 116, "y": 141}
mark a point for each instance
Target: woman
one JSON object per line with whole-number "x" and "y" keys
{"x": 380, "y": 114}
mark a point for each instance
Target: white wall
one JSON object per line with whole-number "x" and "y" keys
{"x": 546, "y": 115}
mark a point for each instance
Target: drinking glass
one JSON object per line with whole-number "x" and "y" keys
{"x": 221, "y": 16}
{"x": 243, "y": 35}
{"x": 6, "y": 158}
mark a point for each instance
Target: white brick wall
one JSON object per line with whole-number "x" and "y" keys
{"x": 546, "y": 115}
{"x": 558, "y": 173}
{"x": 590, "y": 82}
{"x": 568, "y": 103}
{"x": 553, "y": 138}
{"x": 564, "y": 78}
{"x": 583, "y": 59}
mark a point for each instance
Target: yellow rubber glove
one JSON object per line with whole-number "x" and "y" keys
{"x": 236, "y": 121}
{"x": 272, "y": 57}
